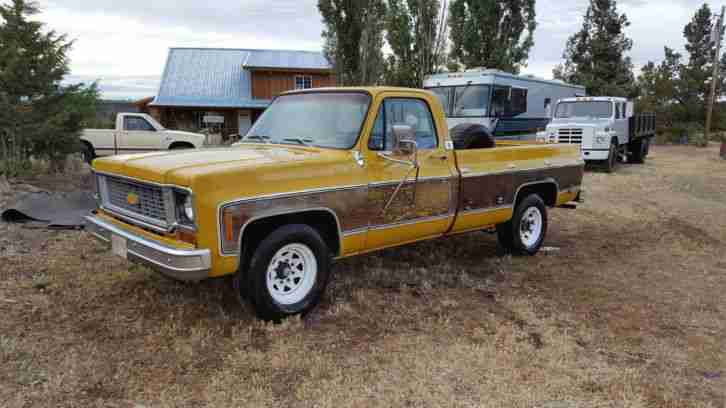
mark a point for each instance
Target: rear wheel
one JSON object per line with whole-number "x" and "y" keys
{"x": 524, "y": 234}
{"x": 87, "y": 153}
{"x": 288, "y": 272}
{"x": 638, "y": 151}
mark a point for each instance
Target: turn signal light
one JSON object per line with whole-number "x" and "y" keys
{"x": 187, "y": 236}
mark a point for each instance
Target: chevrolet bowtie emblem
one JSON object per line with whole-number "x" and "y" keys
{"x": 132, "y": 199}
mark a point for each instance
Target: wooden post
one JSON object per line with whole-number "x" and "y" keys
{"x": 714, "y": 77}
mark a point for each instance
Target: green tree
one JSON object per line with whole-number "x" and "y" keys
{"x": 678, "y": 90}
{"x": 353, "y": 38}
{"x": 416, "y": 33}
{"x": 39, "y": 117}
{"x": 596, "y": 57}
{"x": 495, "y": 34}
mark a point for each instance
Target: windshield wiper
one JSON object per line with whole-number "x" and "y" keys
{"x": 303, "y": 142}
{"x": 263, "y": 139}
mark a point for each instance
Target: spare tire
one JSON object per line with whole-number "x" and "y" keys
{"x": 472, "y": 136}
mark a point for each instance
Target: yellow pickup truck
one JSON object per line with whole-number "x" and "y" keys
{"x": 326, "y": 174}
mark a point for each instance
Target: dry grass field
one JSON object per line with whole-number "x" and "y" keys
{"x": 627, "y": 310}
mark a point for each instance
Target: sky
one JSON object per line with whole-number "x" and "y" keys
{"x": 124, "y": 44}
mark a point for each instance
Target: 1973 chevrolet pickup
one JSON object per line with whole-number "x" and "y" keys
{"x": 325, "y": 174}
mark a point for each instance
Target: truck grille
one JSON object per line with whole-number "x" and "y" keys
{"x": 143, "y": 201}
{"x": 569, "y": 136}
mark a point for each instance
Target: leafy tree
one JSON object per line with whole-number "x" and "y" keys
{"x": 39, "y": 117}
{"x": 596, "y": 57}
{"x": 354, "y": 39}
{"x": 495, "y": 34}
{"x": 678, "y": 90}
{"x": 416, "y": 33}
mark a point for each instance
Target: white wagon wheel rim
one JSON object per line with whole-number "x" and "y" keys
{"x": 530, "y": 227}
{"x": 291, "y": 274}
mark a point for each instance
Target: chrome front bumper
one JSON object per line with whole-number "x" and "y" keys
{"x": 180, "y": 264}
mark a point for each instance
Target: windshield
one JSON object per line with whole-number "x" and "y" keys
{"x": 590, "y": 109}
{"x": 331, "y": 120}
{"x": 468, "y": 100}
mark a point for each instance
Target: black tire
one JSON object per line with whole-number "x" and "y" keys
{"x": 509, "y": 233}
{"x": 611, "y": 163}
{"x": 637, "y": 151}
{"x": 87, "y": 153}
{"x": 258, "y": 292}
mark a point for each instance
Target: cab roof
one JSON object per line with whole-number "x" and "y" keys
{"x": 371, "y": 90}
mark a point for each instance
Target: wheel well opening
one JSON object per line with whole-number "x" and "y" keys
{"x": 181, "y": 145}
{"x": 87, "y": 144}
{"x": 546, "y": 190}
{"x": 323, "y": 222}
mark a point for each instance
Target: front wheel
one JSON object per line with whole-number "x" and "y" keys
{"x": 87, "y": 153}
{"x": 612, "y": 162}
{"x": 524, "y": 234}
{"x": 288, "y": 272}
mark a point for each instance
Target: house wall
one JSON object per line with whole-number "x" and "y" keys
{"x": 182, "y": 118}
{"x": 268, "y": 84}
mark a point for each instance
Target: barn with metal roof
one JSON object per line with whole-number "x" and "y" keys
{"x": 225, "y": 90}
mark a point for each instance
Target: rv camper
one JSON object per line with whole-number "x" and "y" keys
{"x": 511, "y": 106}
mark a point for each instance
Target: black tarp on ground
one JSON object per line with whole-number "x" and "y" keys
{"x": 54, "y": 210}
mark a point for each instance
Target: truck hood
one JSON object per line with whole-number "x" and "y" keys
{"x": 181, "y": 167}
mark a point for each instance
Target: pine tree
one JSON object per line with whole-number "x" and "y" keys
{"x": 38, "y": 116}
{"x": 415, "y": 31}
{"x": 354, "y": 39}
{"x": 596, "y": 57}
{"x": 676, "y": 89}
{"x": 495, "y": 34}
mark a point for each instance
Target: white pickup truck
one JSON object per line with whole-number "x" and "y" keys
{"x": 605, "y": 127}
{"x": 136, "y": 133}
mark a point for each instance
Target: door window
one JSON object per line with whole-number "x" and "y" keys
{"x": 617, "y": 111}
{"x": 137, "y": 123}
{"x": 398, "y": 111}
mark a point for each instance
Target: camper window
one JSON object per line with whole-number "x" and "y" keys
{"x": 519, "y": 101}
{"x": 501, "y": 101}
{"x": 444, "y": 93}
{"x": 471, "y": 101}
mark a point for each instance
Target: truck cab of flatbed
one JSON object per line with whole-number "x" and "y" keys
{"x": 606, "y": 128}
{"x": 325, "y": 174}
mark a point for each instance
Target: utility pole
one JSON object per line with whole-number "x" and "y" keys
{"x": 716, "y": 37}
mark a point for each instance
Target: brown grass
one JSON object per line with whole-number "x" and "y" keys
{"x": 630, "y": 312}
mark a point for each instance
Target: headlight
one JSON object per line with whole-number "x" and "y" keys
{"x": 608, "y": 130}
{"x": 189, "y": 208}
{"x": 185, "y": 207}
{"x": 600, "y": 140}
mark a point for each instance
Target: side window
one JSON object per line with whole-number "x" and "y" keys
{"x": 501, "y": 102}
{"x": 617, "y": 111}
{"x": 397, "y": 111}
{"x": 136, "y": 123}
{"x": 624, "y": 110}
{"x": 548, "y": 107}
{"x": 378, "y": 134}
{"x": 519, "y": 101}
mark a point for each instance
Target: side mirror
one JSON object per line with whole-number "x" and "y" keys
{"x": 404, "y": 143}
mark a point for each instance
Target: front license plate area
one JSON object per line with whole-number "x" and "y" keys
{"x": 119, "y": 246}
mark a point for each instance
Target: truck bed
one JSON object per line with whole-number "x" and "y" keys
{"x": 642, "y": 125}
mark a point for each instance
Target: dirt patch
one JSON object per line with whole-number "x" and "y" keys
{"x": 628, "y": 312}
